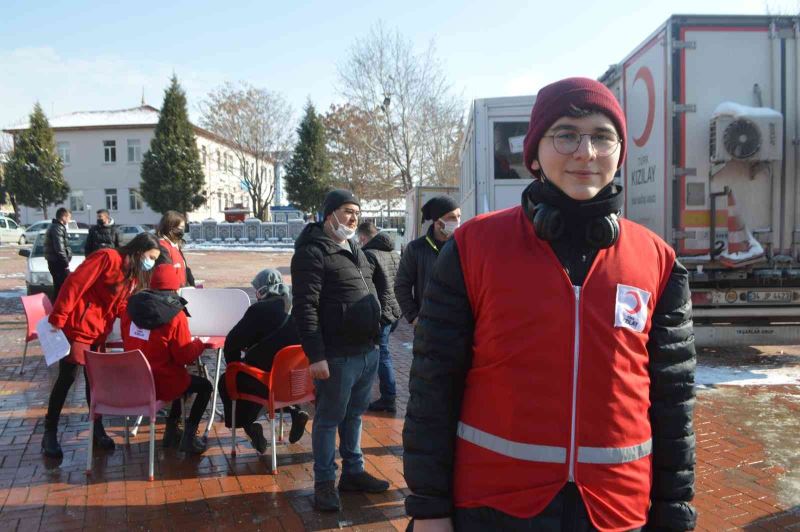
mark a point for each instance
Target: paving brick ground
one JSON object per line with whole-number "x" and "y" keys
{"x": 748, "y": 458}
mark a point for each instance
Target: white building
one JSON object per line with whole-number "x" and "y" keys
{"x": 102, "y": 153}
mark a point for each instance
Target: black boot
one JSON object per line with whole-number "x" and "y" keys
{"x": 299, "y": 420}
{"x": 384, "y": 404}
{"x": 325, "y": 497}
{"x": 101, "y": 440}
{"x": 50, "y": 446}
{"x": 190, "y": 443}
{"x": 362, "y": 481}
{"x": 172, "y": 434}
{"x": 256, "y": 434}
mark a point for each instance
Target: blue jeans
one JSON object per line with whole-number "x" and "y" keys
{"x": 341, "y": 400}
{"x": 385, "y": 369}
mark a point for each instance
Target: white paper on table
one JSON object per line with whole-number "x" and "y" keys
{"x": 516, "y": 144}
{"x": 55, "y": 345}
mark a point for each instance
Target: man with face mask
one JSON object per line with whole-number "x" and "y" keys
{"x": 102, "y": 235}
{"x": 337, "y": 314}
{"x": 420, "y": 255}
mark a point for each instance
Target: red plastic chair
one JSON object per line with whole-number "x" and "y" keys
{"x": 122, "y": 384}
{"x": 36, "y": 307}
{"x": 289, "y": 384}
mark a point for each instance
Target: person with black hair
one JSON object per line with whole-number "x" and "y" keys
{"x": 92, "y": 297}
{"x": 420, "y": 255}
{"x": 57, "y": 252}
{"x": 101, "y": 235}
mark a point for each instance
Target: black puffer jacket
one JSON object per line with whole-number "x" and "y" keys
{"x": 416, "y": 266}
{"x": 380, "y": 252}
{"x": 442, "y": 358}
{"x": 335, "y": 304}
{"x": 56, "y": 244}
{"x": 101, "y": 236}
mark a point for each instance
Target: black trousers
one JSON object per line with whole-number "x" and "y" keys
{"x": 67, "y": 371}
{"x": 59, "y": 272}
{"x": 202, "y": 390}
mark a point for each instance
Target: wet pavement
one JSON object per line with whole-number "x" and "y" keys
{"x": 748, "y": 471}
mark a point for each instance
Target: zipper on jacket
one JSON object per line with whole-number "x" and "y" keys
{"x": 575, "y": 358}
{"x": 362, "y": 279}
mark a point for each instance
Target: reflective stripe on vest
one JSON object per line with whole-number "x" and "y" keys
{"x": 551, "y": 454}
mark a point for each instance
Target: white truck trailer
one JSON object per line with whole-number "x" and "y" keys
{"x": 713, "y": 111}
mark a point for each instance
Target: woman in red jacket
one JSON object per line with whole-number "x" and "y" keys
{"x": 155, "y": 322}
{"x": 90, "y": 300}
{"x": 170, "y": 232}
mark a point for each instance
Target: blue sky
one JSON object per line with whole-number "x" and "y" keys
{"x": 88, "y": 55}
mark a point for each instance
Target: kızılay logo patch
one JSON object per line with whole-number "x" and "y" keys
{"x": 630, "y": 311}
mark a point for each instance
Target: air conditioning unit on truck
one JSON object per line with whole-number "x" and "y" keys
{"x": 713, "y": 111}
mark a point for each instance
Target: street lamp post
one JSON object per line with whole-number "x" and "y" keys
{"x": 88, "y": 213}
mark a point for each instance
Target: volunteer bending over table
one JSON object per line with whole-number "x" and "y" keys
{"x": 89, "y": 301}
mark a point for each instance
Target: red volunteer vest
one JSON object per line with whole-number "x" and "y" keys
{"x": 559, "y": 386}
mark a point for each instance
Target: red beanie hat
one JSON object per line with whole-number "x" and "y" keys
{"x": 554, "y": 101}
{"x": 165, "y": 277}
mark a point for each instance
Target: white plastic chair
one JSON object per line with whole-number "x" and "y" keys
{"x": 213, "y": 313}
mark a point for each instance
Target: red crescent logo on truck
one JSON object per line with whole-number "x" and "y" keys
{"x": 645, "y": 75}
{"x": 638, "y": 302}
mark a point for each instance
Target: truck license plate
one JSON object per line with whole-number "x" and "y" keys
{"x": 769, "y": 297}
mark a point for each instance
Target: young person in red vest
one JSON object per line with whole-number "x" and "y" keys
{"x": 170, "y": 231}
{"x": 90, "y": 300}
{"x": 552, "y": 380}
{"x": 155, "y": 322}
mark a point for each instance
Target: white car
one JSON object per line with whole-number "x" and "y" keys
{"x": 32, "y": 230}
{"x": 128, "y": 233}
{"x": 37, "y": 276}
{"x": 10, "y": 231}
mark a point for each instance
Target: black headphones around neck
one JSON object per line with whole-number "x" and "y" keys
{"x": 602, "y": 231}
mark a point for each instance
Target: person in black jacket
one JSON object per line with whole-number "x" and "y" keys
{"x": 266, "y": 328}
{"x": 379, "y": 249}
{"x": 420, "y": 255}
{"x": 57, "y": 252}
{"x": 574, "y": 144}
{"x": 102, "y": 235}
{"x": 337, "y": 313}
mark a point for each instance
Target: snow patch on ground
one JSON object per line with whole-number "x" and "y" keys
{"x": 257, "y": 249}
{"x": 746, "y": 376}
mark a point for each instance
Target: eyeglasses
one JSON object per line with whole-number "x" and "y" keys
{"x": 351, "y": 212}
{"x": 568, "y": 142}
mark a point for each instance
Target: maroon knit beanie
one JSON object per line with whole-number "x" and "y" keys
{"x": 553, "y": 101}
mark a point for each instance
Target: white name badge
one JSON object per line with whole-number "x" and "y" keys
{"x": 141, "y": 334}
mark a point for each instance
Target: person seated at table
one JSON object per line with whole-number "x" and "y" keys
{"x": 266, "y": 328}
{"x": 155, "y": 323}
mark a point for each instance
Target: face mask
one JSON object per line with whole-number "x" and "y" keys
{"x": 147, "y": 263}
{"x": 178, "y": 233}
{"x": 100, "y": 222}
{"x": 343, "y": 232}
{"x": 450, "y": 227}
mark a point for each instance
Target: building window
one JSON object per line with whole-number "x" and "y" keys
{"x": 110, "y": 149}
{"x": 134, "y": 151}
{"x": 136, "y": 200}
{"x": 63, "y": 152}
{"x": 111, "y": 199}
{"x": 225, "y": 164}
{"x": 204, "y": 154}
{"x": 76, "y": 200}
{"x": 219, "y": 160}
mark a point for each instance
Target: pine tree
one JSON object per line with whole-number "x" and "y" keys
{"x": 34, "y": 170}
{"x": 308, "y": 173}
{"x": 172, "y": 176}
